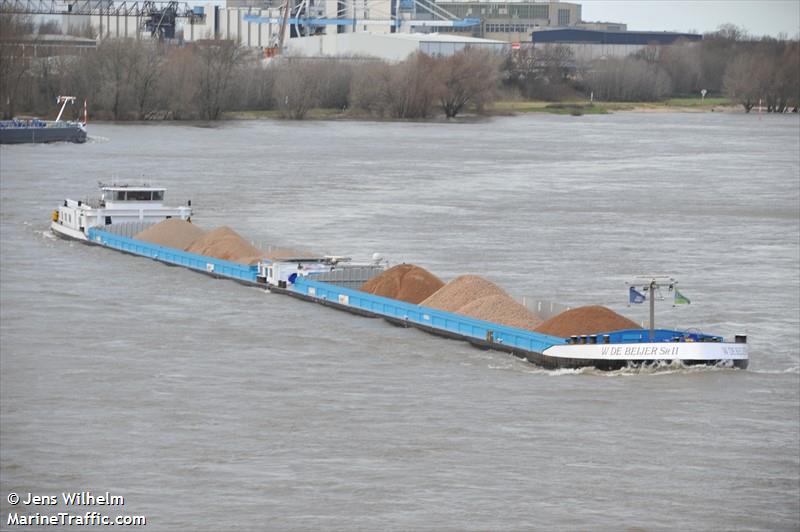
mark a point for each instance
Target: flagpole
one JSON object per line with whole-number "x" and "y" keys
{"x": 652, "y": 311}
{"x": 655, "y": 283}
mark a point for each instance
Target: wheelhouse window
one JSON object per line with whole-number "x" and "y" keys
{"x": 140, "y": 195}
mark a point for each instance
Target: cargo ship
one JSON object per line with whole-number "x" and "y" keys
{"x": 334, "y": 281}
{"x": 35, "y": 130}
{"x": 131, "y": 207}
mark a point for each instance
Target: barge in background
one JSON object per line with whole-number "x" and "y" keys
{"x": 333, "y": 282}
{"x": 35, "y": 130}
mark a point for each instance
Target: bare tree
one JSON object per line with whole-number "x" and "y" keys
{"x": 50, "y": 27}
{"x": 768, "y": 72}
{"x": 46, "y": 89}
{"x": 540, "y": 73}
{"x": 682, "y": 62}
{"x": 731, "y": 32}
{"x": 256, "y": 85}
{"x": 628, "y": 79}
{"x": 649, "y": 53}
{"x": 790, "y": 74}
{"x": 781, "y": 75}
{"x": 15, "y": 65}
{"x": 404, "y": 90}
{"x": 84, "y": 29}
{"x": 177, "y": 92}
{"x": 717, "y": 50}
{"x": 217, "y": 60}
{"x": 145, "y": 69}
{"x": 113, "y": 65}
{"x": 413, "y": 88}
{"x": 297, "y": 87}
{"x": 740, "y": 81}
{"x": 468, "y": 77}
{"x": 334, "y": 87}
{"x": 81, "y": 78}
{"x": 370, "y": 89}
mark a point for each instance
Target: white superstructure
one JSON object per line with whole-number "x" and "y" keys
{"x": 644, "y": 353}
{"x": 117, "y": 204}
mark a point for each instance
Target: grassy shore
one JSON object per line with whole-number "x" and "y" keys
{"x": 313, "y": 114}
{"x": 557, "y": 108}
{"x": 510, "y": 108}
{"x": 584, "y": 108}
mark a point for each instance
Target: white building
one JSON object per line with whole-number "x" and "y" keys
{"x": 390, "y": 47}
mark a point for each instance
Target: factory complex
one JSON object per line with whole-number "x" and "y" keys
{"x": 383, "y": 29}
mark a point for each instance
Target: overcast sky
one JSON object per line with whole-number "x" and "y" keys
{"x": 758, "y": 17}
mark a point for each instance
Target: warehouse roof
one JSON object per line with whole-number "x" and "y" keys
{"x": 576, "y": 35}
{"x": 439, "y": 37}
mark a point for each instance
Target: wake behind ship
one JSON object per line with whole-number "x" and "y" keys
{"x": 123, "y": 215}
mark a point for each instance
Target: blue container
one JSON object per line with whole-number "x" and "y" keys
{"x": 210, "y": 265}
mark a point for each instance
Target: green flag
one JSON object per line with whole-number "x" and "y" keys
{"x": 680, "y": 299}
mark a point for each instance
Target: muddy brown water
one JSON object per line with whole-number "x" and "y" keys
{"x": 212, "y": 406}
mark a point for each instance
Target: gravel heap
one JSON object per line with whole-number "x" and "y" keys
{"x": 501, "y": 309}
{"x": 225, "y": 243}
{"x": 468, "y": 295}
{"x": 288, "y": 253}
{"x": 586, "y": 320}
{"x": 405, "y": 282}
{"x": 461, "y": 291}
{"x": 171, "y": 233}
{"x": 222, "y": 243}
{"x": 477, "y": 297}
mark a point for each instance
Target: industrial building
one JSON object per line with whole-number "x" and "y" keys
{"x": 588, "y": 45}
{"x": 389, "y": 46}
{"x": 388, "y": 29}
{"x": 506, "y": 21}
{"x": 50, "y": 45}
{"x": 513, "y": 21}
{"x": 257, "y": 22}
{"x": 509, "y": 21}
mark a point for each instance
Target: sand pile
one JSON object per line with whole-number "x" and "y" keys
{"x": 501, "y": 309}
{"x": 405, "y": 282}
{"x": 586, "y": 320}
{"x": 171, "y": 233}
{"x": 288, "y": 253}
{"x": 222, "y": 243}
{"x": 474, "y": 296}
{"x": 462, "y": 291}
{"x": 225, "y": 243}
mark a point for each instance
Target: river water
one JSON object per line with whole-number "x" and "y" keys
{"x": 209, "y": 405}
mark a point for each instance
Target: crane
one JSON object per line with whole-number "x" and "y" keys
{"x": 159, "y": 17}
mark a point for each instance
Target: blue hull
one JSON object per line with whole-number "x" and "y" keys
{"x": 528, "y": 345}
{"x": 36, "y": 135}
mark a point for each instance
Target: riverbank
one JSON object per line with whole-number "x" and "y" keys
{"x": 675, "y": 105}
{"x": 516, "y": 107}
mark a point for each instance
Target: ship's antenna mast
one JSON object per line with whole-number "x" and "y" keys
{"x": 651, "y": 284}
{"x": 63, "y": 100}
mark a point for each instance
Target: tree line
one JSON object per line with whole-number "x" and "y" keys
{"x": 726, "y": 63}
{"x": 135, "y": 79}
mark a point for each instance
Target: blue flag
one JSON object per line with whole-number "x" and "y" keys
{"x": 635, "y": 297}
